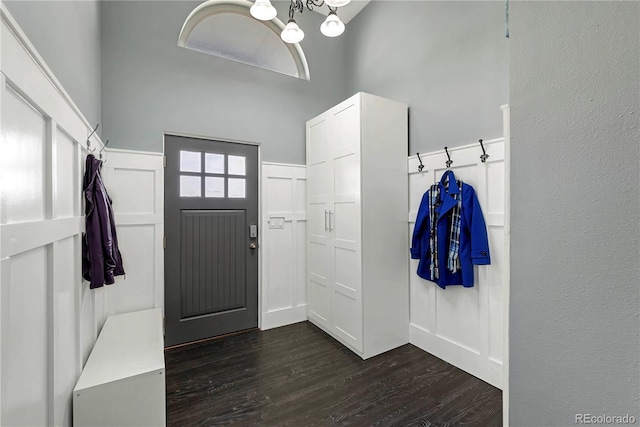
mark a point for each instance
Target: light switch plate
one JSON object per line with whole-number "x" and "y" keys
{"x": 276, "y": 222}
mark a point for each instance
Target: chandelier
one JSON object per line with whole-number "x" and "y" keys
{"x": 292, "y": 33}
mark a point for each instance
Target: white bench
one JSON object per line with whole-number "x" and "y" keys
{"x": 122, "y": 383}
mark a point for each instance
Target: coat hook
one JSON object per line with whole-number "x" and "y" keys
{"x": 484, "y": 156}
{"x": 421, "y": 166}
{"x": 100, "y": 152}
{"x": 449, "y": 162}
{"x": 89, "y": 138}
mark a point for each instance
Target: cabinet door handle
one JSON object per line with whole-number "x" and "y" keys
{"x": 326, "y": 227}
{"x": 331, "y": 221}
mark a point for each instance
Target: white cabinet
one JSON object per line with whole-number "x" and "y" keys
{"x": 357, "y": 244}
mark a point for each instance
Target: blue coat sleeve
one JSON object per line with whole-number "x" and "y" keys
{"x": 478, "y": 230}
{"x": 421, "y": 227}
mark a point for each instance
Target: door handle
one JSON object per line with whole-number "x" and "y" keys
{"x": 253, "y": 246}
{"x": 326, "y": 227}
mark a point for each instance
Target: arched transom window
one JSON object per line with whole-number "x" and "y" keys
{"x": 226, "y": 29}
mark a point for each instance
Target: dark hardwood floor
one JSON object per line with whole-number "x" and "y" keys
{"x": 299, "y": 376}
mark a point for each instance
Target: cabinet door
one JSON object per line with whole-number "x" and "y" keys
{"x": 319, "y": 179}
{"x": 346, "y": 226}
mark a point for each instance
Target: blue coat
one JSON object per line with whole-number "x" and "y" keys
{"x": 474, "y": 244}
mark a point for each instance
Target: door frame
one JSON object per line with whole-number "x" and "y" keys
{"x": 260, "y": 231}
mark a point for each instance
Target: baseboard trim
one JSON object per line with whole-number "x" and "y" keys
{"x": 463, "y": 358}
{"x": 283, "y": 317}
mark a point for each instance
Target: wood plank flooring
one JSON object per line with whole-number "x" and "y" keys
{"x": 299, "y": 376}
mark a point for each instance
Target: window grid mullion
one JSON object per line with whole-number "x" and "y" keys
{"x": 202, "y": 188}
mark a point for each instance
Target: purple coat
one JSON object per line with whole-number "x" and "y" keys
{"x": 101, "y": 259}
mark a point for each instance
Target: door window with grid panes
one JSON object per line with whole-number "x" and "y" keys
{"x": 212, "y": 175}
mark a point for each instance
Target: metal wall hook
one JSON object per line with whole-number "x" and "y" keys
{"x": 421, "y": 166}
{"x": 448, "y": 162}
{"x": 89, "y": 139}
{"x": 100, "y": 152}
{"x": 484, "y": 156}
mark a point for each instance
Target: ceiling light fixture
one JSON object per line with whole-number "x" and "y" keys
{"x": 337, "y": 3}
{"x": 332, "y": 26}
{"x": 292, "y": 33}
{"x": 263, "y": 10}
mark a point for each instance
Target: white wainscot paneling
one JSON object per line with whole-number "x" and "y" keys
{"x": 48, "y": 317}
{"x": 464, "y": 326}
{"x": 23, "y": 164}
{"x": 458, "y": 316}
{"x": 25, "y": 341}
{"x": 301, "y": 196}
{"x": 496, "y": 182}
{"x": 279, "y": 192}
{"x": 279, "y": 244}
{"x": 136, "y": 290}
{"x": 420, "y": 303}
{"x": 66, "y": 177}
{"x": 66, "y": 362}
{"x": 134, "y": 181}
{"x": 134, "y": 190}
{"x": 300, "y": 265}
{"x": 87, "y": 321}
{"x": 283, "y": 290}
{"x": 497, "y": 303}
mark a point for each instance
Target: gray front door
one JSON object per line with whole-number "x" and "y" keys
{"x": 211, "y": 217}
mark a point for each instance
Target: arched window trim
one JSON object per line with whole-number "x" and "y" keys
{"x": 241, "y": 7}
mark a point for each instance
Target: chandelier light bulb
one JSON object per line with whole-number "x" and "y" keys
{"x": 332, "y": 26}
{"x": 292, "y": 33}
{"x": 263, "y": 10}
{"x": 337, "y": 3}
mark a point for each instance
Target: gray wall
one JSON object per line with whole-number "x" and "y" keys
{"x": 447, "y": 60}
{"x": 67, "y": 36}
{"x": 575, "y": 76}
{"x": 441, "y": 53}
{"x": 151, "y": 85}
